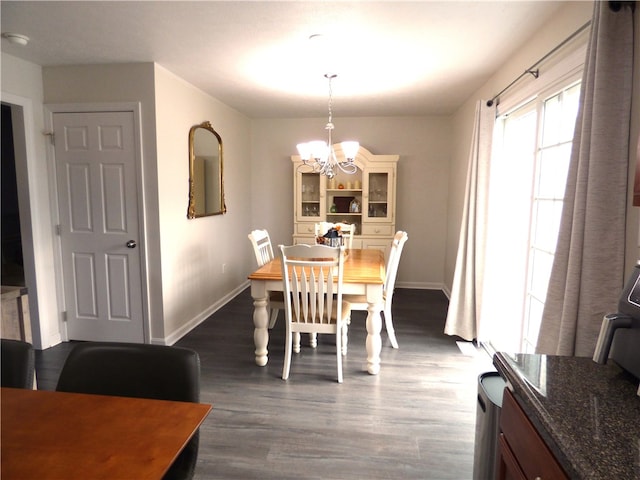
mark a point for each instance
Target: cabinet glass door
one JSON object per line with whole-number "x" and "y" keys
{"x": 379, "y": 196}
{"x": 308, "y": 198}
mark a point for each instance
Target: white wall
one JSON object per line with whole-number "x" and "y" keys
{"x": 22, "y": 85}
{"x": 193, "y": 251}
{"x": 93, "y": 84}
{"x": 566, "y": 21}
{"x": 424, "y": 145}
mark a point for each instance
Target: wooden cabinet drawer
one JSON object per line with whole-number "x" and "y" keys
{"x": 297, "y": 240}
{"x": 377, "y": 229}
{"x": 306, "y": 229}
{"x": 509, "y": 466}
{"x": 532, "y": 454}
{"x": 381, "y": 244}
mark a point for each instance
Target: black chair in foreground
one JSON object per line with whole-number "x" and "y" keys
{"x": 17, "y": 364}
{"x": 142, "y": 371}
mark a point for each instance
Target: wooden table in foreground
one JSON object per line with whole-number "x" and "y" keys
{"x": 364, "y": 271}
{"x": 56, "y": 435}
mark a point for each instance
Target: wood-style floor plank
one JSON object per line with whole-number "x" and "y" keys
{"x": 415, "y": 420}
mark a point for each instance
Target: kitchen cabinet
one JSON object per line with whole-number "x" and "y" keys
{"x": 366, "y": 199}
{"x": 586, "y": 414}
{"x": 523, "y": 454}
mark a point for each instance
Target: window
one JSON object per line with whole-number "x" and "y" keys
{"x": 552, "y": 163}
{"x": 532, "y": 146}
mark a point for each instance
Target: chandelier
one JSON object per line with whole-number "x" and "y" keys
{"x": 320, "y": 155}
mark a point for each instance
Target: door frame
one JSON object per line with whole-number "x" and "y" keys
{"x": 42, "y": 303}
{"x": 135, "y": 108}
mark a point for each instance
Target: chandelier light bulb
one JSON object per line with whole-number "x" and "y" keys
{"x": 304, "y": 150}
{"x": 350, "y": 149}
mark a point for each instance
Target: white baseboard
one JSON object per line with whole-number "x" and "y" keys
{"x": 194, "y": 322}
{"x": 420, "y": 285}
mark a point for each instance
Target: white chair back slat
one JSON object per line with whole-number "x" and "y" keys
{"x": 263, "y": 251}
{"x": 261, "y": 246}
{"x": 393, "y": 262}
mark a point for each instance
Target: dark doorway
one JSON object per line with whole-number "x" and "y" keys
{"x": 12, "y": 260}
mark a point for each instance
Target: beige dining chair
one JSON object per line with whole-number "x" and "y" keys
{"x": 312, "y": 282}
{"x": 359, "y": 302}
{"x": 346, "y": 229}
{"x": 263, "y": 250}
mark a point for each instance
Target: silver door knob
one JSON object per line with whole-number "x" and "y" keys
{"x": 131, "y": 244}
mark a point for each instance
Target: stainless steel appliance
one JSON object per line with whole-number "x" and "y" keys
{"x": 485, "y": 457}
{"x": 619, "y": 338}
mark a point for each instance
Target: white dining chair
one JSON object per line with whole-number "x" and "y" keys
{"x": 346, "y": 229}
{"x": 263, "y": 250}
{"x": 312, "y": 282}
{"x": 359, "y": 302}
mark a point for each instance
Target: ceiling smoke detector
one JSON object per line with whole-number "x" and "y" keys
{"x": 16, "y": 38}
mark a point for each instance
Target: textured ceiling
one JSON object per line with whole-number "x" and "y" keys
{"x": 391, "y": 58}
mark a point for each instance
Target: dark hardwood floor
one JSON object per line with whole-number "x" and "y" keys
{"x": 415, "y": 420}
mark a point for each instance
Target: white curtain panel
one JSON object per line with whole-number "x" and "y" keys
{"x": 588, "y": 270}
{"x": 463, "y": 316}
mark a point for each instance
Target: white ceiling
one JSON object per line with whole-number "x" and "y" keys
{"x": 392, "y": 57}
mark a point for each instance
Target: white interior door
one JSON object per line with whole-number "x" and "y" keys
{"x": 97, "y": 197}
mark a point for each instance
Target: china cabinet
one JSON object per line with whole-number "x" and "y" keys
{"x": 366, "y": 199}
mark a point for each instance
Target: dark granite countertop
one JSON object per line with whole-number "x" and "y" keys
{"x": 588, "y": 414}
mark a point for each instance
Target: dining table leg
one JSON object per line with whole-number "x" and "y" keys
{"x": 260, "y": 322}
{"x": 374, "y": 326}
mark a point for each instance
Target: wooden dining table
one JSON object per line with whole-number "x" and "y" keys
{"x": 364, "y": 273}
{"x": 58, "y": 435}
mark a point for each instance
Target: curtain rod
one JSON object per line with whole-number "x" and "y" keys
{"x": 536, "y": 73}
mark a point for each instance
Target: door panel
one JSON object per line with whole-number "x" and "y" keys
{"x": 97, "y": 190}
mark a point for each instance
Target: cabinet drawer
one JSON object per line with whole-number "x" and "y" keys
{"x": 378, "y": 229}
{"x": 381, "y": 244}
{"x": 532, "y": 454}
{"x": 297, "y": 240}
{"x": 306, "y": 229}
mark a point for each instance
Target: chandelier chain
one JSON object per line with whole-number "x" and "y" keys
{"x": 321, "y": 156}
{"x": 330, "y": 100}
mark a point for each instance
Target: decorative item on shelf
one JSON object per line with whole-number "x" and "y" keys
{"x": 354, "y": 206}
{"x": 321, "y": 156}
{"x": 357, "y": 185}
{"x": 333, "y": 208}
{"x": 340, "y": 186}
{"x": 342, "y": 204}
{"x": 332, "y": 184}
{"x": 332, "y": 238}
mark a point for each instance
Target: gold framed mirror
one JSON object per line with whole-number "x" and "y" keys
{"x": 206, "y": 186}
